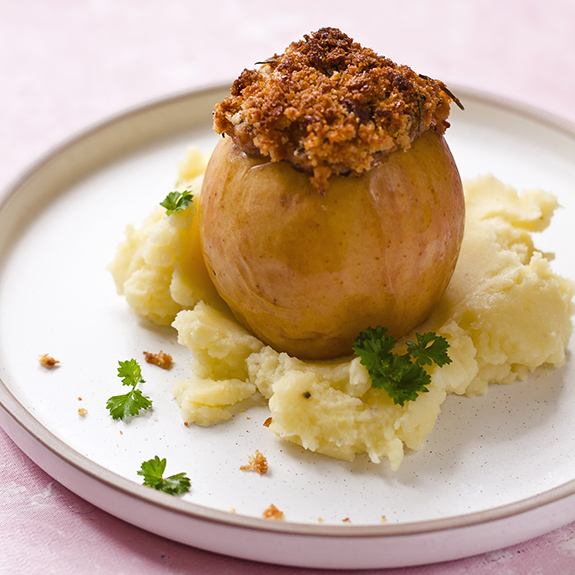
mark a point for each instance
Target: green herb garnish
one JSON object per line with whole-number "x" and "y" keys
{"x": 402, "y": 376}
{"x": 176, "y": 201}
{"x": 121, "y": 406}
{"x": 153, "y": 471}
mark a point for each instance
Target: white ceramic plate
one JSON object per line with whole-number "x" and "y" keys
{"x": 496, "y": 470}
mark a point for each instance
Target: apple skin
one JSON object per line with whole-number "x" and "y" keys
{"x": 306, "y": 272}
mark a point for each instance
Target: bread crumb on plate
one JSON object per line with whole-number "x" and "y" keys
{"x": 47, "y": 360}
{"x": 160, "y": 359}
{"x": 257, "y": 463}
{"x": 272, "y": 512}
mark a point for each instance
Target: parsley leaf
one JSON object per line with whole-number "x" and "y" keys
{"x": 129, "y": 404}
{"x": 130, "y": 372}
{"x": 153, "y": 474}
{"x": 176, "y": 201}
{"x": 430, "y": 348}
{"x": 122, "y": 406}
{"x": 402, "y": 376}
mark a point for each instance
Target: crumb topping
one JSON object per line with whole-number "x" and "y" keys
{"x": 160, "y": 359}
{"x": 257, "y": 463}
{"x": 329, "y": 106}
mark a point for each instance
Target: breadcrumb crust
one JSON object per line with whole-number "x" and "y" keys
{"x": 329, "y": 106}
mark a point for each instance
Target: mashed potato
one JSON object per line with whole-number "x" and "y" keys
{"x": 505, "y": 313}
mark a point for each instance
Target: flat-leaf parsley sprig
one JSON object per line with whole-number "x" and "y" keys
{"x": 121, "y": 406}
{"x": 402, "y": 376}
{"x": 153, "y": 473}
{"x": 176, "y": 201}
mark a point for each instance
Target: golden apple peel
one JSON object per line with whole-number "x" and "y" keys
{"x": 306, "y": 272}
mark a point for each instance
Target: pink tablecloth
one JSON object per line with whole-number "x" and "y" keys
{"x": 66, "y": 64}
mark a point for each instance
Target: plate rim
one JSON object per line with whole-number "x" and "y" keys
{"x": 58, "y": 448}
{"x": 12, "y": 410}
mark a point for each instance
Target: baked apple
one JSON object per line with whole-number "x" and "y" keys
{"x": 333, "y": 202}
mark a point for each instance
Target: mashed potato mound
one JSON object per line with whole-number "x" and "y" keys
{"x": 504, "y": 314}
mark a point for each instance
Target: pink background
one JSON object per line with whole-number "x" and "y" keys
{"x": 67, "y": 64}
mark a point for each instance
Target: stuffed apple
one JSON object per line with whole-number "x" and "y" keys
{"x": 332, "y": 203}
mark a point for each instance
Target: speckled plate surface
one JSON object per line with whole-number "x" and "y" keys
{"x": 496, "y": 470}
